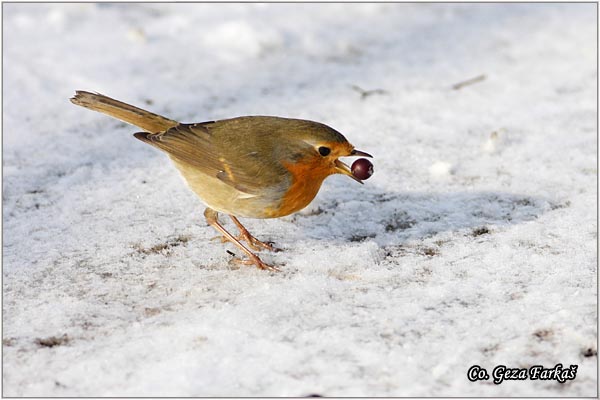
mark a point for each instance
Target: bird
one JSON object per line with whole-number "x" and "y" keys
{"x": 244, "y": 167}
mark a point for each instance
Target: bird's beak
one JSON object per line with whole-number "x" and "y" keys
{"x": 342, "y": 168}
{"x": 359, "y": 153}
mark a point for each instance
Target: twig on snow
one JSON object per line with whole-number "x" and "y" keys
{"x": 366, "y": 93}
{"x": 468, "y": 82}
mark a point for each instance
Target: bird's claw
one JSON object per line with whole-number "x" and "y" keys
{"x": 257, "y": 245}
{"x": 257, "y": 262}
{"x": 212, "y": 218}
{"x": 252, "y": 242}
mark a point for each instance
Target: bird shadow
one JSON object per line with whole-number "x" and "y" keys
{"x": 398, "y": 218}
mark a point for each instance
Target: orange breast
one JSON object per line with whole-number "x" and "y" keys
{"x": 307, "y": 176}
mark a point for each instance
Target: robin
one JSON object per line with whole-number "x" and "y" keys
{"x": 250, "y": 167}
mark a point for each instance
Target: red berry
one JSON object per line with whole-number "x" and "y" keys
{"x": 362, "y": 168}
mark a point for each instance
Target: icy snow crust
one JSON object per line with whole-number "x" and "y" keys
{"x": 473, "y": 243}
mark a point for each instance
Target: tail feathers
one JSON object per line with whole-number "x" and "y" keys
{"x": 146, "y": 120}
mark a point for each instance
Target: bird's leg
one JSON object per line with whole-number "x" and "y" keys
{"x": 253, "y": 242}
{"x": 212, "y": 217}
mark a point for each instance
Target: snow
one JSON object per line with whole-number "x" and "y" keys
{"x": 473, "y": 243}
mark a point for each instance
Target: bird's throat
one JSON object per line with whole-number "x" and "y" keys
{"x": 307, "y": 177}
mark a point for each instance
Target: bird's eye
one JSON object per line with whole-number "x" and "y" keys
{"x": 324, "y": 151}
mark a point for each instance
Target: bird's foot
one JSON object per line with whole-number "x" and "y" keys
{"x": 253, "y": 242}
{"x": 260, "y": 264}
{"x": 212, "y": 217}
{"x": 256, "y": 244}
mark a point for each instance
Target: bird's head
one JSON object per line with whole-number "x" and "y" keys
{"x": 318, "y": 147}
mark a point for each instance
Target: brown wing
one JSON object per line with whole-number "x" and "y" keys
{"x": 236, "y": 154}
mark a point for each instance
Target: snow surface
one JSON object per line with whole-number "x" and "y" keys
{"x": 473, "y": 243}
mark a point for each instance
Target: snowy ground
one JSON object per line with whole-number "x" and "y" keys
{"x": 473, "y": 243}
